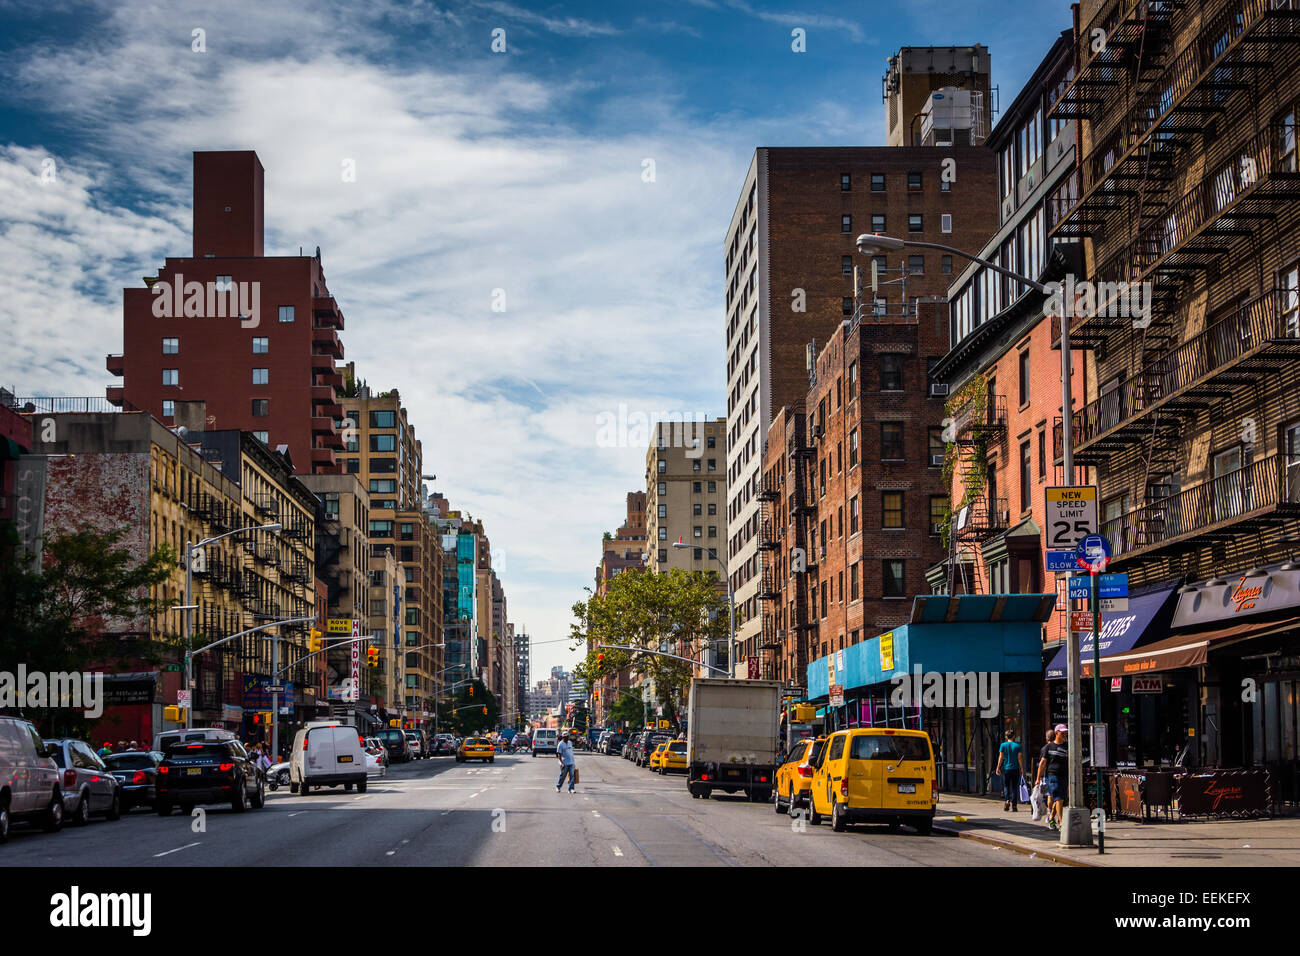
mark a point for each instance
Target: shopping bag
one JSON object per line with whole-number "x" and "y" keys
{"x": 1024, "y": 792}
{"x": 575, "y": 776}
{"x": 1038, "y": 800}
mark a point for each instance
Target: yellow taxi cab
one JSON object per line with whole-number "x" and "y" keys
{"x": 476, "y": 748}
{"x": 672, "y": 756}
{"x": 875, "y": 774}
{"x": 656, "y": 756}
{"x": 794, "y": 775}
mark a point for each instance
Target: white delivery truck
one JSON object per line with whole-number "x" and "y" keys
{"x": 733, "y": 736}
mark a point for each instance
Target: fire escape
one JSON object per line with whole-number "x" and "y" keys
{"x": 983, "y": 421}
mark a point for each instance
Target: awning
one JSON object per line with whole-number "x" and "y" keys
{"x": 1120, "y": 631}
{"x": 1185, "y": 650}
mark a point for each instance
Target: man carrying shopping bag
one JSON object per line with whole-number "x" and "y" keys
{"x": 1011, "y": 767}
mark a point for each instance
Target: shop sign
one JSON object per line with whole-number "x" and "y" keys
{"x": 1148, "y": 685}
{"x": 887, "y": 651}
{"x": 338, "y": 625}
{"x": 1240, "y": 597}
{"x": 1116, "y": 685}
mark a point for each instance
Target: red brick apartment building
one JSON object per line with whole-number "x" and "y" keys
{"x": 255, "y": 337}
{"x": 790, "y": 265}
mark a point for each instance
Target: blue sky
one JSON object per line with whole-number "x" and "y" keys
{"x": 476, "y": 171}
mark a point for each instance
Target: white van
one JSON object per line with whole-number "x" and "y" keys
{"x": 327, "y": 754}
{"x": 545, "y": 740}
{"x": 29, "y": 778}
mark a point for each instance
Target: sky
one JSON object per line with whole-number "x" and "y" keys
{"x": 531, "y": 242}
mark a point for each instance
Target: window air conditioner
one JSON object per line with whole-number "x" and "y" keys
{"x": 938, "y": 389}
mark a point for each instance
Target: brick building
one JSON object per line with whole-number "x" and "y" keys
{"x": 254, "y": 337}
{"x": 791, "y": 253}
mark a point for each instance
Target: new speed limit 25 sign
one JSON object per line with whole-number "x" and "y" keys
{"x": 1071, "y": 515}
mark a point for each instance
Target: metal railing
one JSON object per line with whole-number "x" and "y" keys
{"x": 976, "y": 417}
{"x": 982, "y": 516}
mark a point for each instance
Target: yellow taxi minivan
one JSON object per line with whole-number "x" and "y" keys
{"x": 794, "y": 775}
{"x": 876, "y": 775}
{"x": 653, "y": 763}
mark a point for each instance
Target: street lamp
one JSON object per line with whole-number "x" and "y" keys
{"x": 190, "y": 606}
{"x": 731, "y": 598}
{"x": 1076, "y": 828}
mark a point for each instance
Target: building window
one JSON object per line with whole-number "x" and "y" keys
{"x": 663, "y": 555}
{"x": 663, "y": 511}
{"x": 261, "y": 345}
{"x": 225, "y": 283}
{"x": 913, "y": 181}
{"x": 663, "y": 487}
{"x": 893, "y": 585}
{"x": 383, "y": 443}
{"x": 945, "y": 186}
{"x": 915, "y": 222}
{"x": 945, "y": 264}
{"x": 713, "y": 531}
{"x": 1026, "y": 475}
{"x": 699, "y": 509}
{"x": 846, "y": 182}
{"x": 916, "y": 265}
{"x": 713, "y": 508}
{"x": 381, "y": 528}
{"x": 383, "y": 466}
{"x": 1024, "y": 377}
{"x": 713, "y": 464}
{"x": 171, "y": 346}
{"x": 1042, "y": 453}
{"x": 261, "y": 407}
{"x": 891, "y": 372}
{"x": 663, "y": 465}
{"x": 711, "y": 442}
{"x": 354, "y": 466}
{"x": 938, "y": 512}
{"x": 663, "y": 534}
{"x": 695, "y": 465}
{"x": 846, "y": 223}
{"x": 713, "y": 487}
{"x": 854, "y": 515}
{"x": 171, "y": 376}
{"x": 846, "y": 307}
{"x": 383, "y": 486}
{"x": 891, "y": 509}
{"x": 169, "y": 408}
{"x": 261, "y": 376}
{"x": 698, "y": 531}
{"x": 854, "y": 584}
{"x": 937, "y": 447}
{"x": 286, "y": 313}
{"x": 877, "y": 222}
{"x": 877, "y": 182}
{"x": 891, "y": 441}
{"x": 945, "y": 222}
{"x": 383, "y": 419}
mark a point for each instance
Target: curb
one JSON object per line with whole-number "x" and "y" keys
{"x": 1014, "y": 847}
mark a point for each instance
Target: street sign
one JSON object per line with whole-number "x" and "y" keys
{"x": 1108, "y": 586}
{"x": 837, "y": 695}
{"x": 1114, "y": 604}
{"x": 1148, "y": 685}
{"x": 1081, "y": 621}
{"x": 275, "y": 688}
{"x": 182, "y": 698}
{"x": 1071, "y": 514}
{"x": 1061, "y": 561}
{"x": 1093, "y": 553}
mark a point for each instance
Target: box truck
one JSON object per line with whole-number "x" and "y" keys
{"x": 732, "y": 736}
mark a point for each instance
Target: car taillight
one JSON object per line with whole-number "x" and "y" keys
{"x": 304, "y": 742}
{"x": 762, "y": 779}
{"x": 226, "y": 767}
{"x": 362, "y": 741}
{"x": 162, "y": 768}
{"x": 138, "y": 777}
{"x": 805, "y": 770}
{"x": 704, "y": 776}
{"x": 934, "y": 790}
{"x": 69, "y": 777}
{"x": 844, "y": 787}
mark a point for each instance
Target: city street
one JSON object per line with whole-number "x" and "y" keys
{"x": 439, "y": 812}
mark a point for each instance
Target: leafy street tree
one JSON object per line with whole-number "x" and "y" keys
{"x": 468, "y": 717}
{"x": 69, "y": 614}
{"x": 679, "y": 612}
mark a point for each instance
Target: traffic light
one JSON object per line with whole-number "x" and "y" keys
{"x": 484, "y": 711}
{"x": 372, "y": 657}
{"x": 313, "y": 640}
{"x": 471, "y": 690}
{"x": 600, "y": 658}
{"x": 172, "y": 714}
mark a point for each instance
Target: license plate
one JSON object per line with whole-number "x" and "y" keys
{"x": 907, "y": 788}
{"x": 346, "y": 759}
{"x": 194, "y": 771}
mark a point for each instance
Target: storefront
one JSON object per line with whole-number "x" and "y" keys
{"x": 963, "y": 669}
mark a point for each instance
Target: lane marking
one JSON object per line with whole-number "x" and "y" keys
{"x": 617, "y": 851}
{"x": 595, "y": 813}
{"x": 178, "y": 849}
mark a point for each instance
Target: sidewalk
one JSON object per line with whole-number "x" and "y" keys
{"x": 1197, "y": 843}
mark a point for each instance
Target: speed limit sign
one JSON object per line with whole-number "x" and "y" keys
{"x": 1071, "y": 515}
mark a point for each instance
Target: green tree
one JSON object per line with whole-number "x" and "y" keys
{"x": 468, "y": 717}
{"x": 57, "y": 617}
{"x": 679, "y": 612}
{"x": 628, "y": 710}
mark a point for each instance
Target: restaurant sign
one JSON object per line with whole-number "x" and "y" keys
{"x": 1239, "y": 597}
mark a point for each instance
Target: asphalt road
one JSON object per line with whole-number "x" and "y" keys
{"x": 440, "y": 813}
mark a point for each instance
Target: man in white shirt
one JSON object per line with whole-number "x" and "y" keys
{"x": 567, "y": 769}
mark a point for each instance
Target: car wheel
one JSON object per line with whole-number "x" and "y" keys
{"x": 115, "y": 808}
{"x": 492, "y": 759}
{"x": 187, "y": 809}
{"x": 54, "y": 814}
{"x": 4, "y": 822}
{"x": 258, "y": 799}
{"x": 164, "y": 807}
{"x": 776, "y": 801}
{"x": 837, "y": 817}
{"x": 239, "y": 802}
{"x": 814, "y": 817}
{"x": 924, "y": 827}
{"x": 81, "y": 814}
{"x": 361, "y": 786}
{"x": 347, "y": 788}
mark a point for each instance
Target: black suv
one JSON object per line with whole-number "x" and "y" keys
{"x": 614, "y": 742}
{"x": 645, "y": 745}
{"x": 210, "y": 771}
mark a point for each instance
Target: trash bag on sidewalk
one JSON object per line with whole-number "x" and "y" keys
{"x": 1038, "y": 800}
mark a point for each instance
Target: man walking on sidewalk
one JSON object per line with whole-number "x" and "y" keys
{"x": 1053, "y": 770}
{"x": 567, "y": 768}
{"x": 1011, "y": 767}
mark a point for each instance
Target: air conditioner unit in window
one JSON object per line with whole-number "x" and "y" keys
{"x": 936, "y": 461}
{"x": 938, "y": 389}
{"x": 1006, "y": 517}
{"x": 936, "y": 528}
{"x": 818, "y": 431}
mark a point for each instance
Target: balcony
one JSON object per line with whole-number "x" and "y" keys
{"x": 331, "y": 378}
{"x": 1238, "y": 502}
{"x": 333, "y": 440}
{"x": 115, "y": 395}
{"x": 1237, "y": 351}
{"x": 981, "y": 418}
{"x": 769, "y": 587}
{"x": 115, "y": 364}
{"x": 326, "y": 311}
{"x": 327, "y": 341}
{"x": 323, "y": 456}
{"x": 320, "y": 362}
{"x": 981, "y": 518}
{"x": 769, "y": 538}
{"x": 323, "y": 425}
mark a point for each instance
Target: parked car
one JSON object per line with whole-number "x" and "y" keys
{"x": 655, "y": 756}
{"x": 873, "y": 774}
{"x": 672, "y": 756}
{"x": 137, "y": 770}
{"x": 327, "y": 754}
{"x": 646, "y": 744}
{"x": 417, "y": 744}
{"x": 209, "y": 771}
{"x": 794, "y": 773}
{"x": 30, "y": 783}
{"x": 394, "y": 740}
{"x": 163, "y": 740}
{"x": 629, "y": 747}
{"x": 277, "y": 775}
{"x": 376, "y": 757}
{"x": 444, "y": 744}
{"x": 476, "y": 748}
{"x": 88, "y": 788}
{"x": 614, "y": 742}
